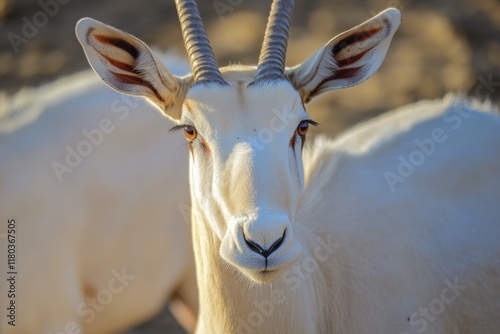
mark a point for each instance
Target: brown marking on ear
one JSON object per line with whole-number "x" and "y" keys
{"x": 342, "y": 73}
{"x": 128, "y": 79}
{"x": 136, "y": 80}
{"x": 121, "y": 65}
{"x": 354, "y": 38}
{"x": 119, "y": 43}
{"x": 350, "y": 60}
{"x": 87, "y": 36}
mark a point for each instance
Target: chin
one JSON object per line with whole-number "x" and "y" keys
{"x": 265, "y": 276}
{"x": 269, "y": 274}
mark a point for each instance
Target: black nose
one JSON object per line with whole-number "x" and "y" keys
{"x": 260, "y": 250}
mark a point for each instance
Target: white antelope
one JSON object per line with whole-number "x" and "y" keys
{"x": 102, "y": 244}
{"x": 328, "y": 246}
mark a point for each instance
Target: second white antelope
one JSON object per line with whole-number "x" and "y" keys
{"x": 329, "y": 248}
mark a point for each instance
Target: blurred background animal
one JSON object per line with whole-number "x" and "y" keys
{"x": 98, "y": 189}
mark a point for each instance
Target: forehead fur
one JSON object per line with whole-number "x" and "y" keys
{"x": 234, "y": 73}
{"x": 240, "y": 110}
{"x": 238, "y": 96}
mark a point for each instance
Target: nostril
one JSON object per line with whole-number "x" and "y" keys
{"x": 253, "y": 246}
{"x": 276, "y": 244}
{"x": 260, "y": 250}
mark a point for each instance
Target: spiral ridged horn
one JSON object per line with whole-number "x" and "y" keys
{"x": 201, "y": 56}
{"x": 272, "y": 54}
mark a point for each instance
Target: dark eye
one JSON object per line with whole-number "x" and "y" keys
{"x": 303, "y": 128}
{"x": 190, "y": 132}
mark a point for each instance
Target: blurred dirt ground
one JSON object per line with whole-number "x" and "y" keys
{"x": 441, "y": 46}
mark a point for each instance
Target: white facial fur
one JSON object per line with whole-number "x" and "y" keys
{"x": 246, "y": 169}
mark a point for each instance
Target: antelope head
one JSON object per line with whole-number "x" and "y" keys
{"x": 245, "y": 126}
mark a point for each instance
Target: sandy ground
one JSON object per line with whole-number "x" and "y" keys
{"x": 445, "y": 45}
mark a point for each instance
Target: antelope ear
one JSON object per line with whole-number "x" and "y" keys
{"x": 348, "y": 59}
{"x": 127, "y": 65}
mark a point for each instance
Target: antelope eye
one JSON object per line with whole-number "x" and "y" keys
{"x": 190, "y": 132}
{"x": 303, "y": 128}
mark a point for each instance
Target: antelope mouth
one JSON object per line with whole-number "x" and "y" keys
{"x": 266, "y": 276}
{"x": 259, "y": 269}
{"x": 269, "y": 274}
